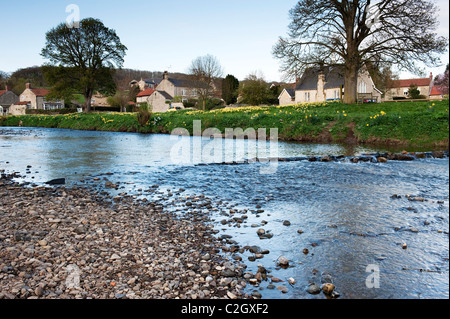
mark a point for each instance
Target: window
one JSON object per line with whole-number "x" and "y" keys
{"x": 183, "y": 92}
{"x": 307, "y": 96}
{"x": 336, "y": 94}
{"x": 362, "y": 87}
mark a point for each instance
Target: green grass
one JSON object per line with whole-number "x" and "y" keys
{"x": 424, "y": 124}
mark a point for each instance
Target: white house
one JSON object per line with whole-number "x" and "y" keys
{"x": 327, "y": 84}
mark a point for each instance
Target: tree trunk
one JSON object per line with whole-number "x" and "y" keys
{"x": 351, "y": 84}
{"x": 87, "y": 103}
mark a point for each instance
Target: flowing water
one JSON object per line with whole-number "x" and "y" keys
{"x": 352, "y": 228}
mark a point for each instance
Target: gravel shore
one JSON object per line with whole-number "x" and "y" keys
{"x": 74, "y": 243}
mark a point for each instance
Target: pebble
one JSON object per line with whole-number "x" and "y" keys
{"x": 119, "y": 247}
{"x": 328, "y": 288}
{"x": 283, "y": 261}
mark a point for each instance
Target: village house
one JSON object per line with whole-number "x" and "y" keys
{"x": 436, "y": 93}
{"x": 327, "y": 84}
{"x": 99, "y": 100}
{"x": 399, "y": 89}
{"x": 7, "y": 98}
{"x": 144, "y": 84}
{"x": 287, "y": 97}
{"x": 185, "y": 89}
{"x": 36, "y": 99}
{"x": 167, "y": 94}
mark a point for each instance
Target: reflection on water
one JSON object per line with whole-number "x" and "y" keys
{"x": 345, "y": 211}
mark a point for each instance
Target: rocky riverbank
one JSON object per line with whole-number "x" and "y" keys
{"x": 74, "y": 243}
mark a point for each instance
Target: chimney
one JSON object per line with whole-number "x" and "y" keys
{"x": 166, "y": 75}
{"x": 321, "y": 80}
{"x": 28, "y": 86}
{"x": 431, "y": 75}
{"x": 7, "y": 88}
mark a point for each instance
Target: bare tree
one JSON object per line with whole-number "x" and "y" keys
{"x": 204, "y": 71}
{"x": 442, "y": 81}
{"x": 355, "y": 32}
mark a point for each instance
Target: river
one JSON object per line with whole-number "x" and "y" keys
{"x": 353, "y": 230}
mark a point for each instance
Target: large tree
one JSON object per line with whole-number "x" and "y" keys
{"x": 204, "y": 71}
{"x": 356, "y": 32}
{"x": 83, "y": 59}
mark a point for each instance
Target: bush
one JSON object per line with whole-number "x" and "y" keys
{"x": 143, "y": 106}
{"x": 143, "y": 117}
{"x": 191, "y": 103}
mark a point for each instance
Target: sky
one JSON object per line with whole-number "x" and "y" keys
{"x": 170, "y": 34}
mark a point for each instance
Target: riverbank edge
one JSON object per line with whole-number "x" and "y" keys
{"x": 323, "y": 138}
{"x": 30, "y": 239}
{"x": 413, "y": 126}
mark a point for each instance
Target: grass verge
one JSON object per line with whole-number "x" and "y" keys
{"x": 409, "y": 124}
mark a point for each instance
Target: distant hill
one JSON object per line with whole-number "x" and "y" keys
{"x": 122, "y": 78}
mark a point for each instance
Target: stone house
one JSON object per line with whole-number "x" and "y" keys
{"x": 144, "y": 84}
{"x": 185, "y": 89}
{"x": 400, "y": 88}
{"x": 436, "y": 93}
{"x": 327, "y": 84}
{"x": 7, "y": 98}
{"x": 162, "y": 97}
{"x": 143, "y": 96}
{"x": 99, "y": 100}
{"x": 36, "y": 99}
{"x": 157, "y": 101}
{"x": 19, "y": 108}
{"x": 287, "y": 97}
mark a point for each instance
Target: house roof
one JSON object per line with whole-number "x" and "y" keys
{"x": 40, "y": 92}
{"x": 436, "y": 91}
{"x": 408, "y": 82}
{"x": 290, "y": 92}
{"x": 2, "y": 92}
{"x": 22, "y": 103}
{"x": 334, "y": 78}
{"x": 166, "y": 95}
{"x": 146, "y": 92}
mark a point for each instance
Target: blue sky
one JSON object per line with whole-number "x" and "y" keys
{"x": 166, "y": 35}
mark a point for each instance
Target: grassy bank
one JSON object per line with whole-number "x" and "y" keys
{"x": 424, "y": 124}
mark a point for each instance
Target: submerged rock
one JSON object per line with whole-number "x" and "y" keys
{"x": 313, "y": 289}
